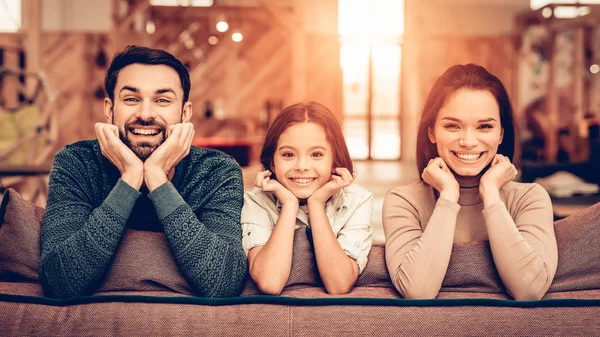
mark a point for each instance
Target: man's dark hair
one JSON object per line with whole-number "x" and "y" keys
{"x": 143, "y": 55}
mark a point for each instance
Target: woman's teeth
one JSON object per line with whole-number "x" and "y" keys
{"x": 468, "y": 157}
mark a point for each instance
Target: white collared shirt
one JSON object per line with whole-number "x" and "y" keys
{"x": 349, "y": 213}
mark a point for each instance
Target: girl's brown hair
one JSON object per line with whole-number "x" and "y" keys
{"x": 304, "y": 113}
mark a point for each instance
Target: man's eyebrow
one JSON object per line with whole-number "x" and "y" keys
{"x": 130, "y": 88}
{"x": 166, "y": 90}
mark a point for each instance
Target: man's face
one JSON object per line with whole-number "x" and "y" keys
{"x": 147, "y": 100}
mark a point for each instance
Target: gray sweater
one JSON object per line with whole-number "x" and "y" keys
{"x": 89, "y": 207}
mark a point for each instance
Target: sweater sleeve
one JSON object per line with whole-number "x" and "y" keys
{"x": 417, "y": 259}
{"x": 206, "y": 242}
{"x": 77, "y": 240}
{"x": 524, "y": 249}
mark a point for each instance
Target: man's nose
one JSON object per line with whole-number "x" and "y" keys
{"x": 145, "y": 111}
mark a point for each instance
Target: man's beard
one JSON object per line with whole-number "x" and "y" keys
{"x": 143, "y": 149}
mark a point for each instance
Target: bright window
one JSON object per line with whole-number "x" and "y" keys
{"x": 10, "y": 16}
{"x": 370, "y": 54}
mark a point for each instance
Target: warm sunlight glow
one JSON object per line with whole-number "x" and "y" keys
{"x": 192, "y": 3}
{"x": 370, "y": 32}
{"x": 10, "y": 16}
{"x": 537, "y": 4}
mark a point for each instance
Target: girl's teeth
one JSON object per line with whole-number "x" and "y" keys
{"x": 471, "y": 157}
{"x": 303, "y": 181}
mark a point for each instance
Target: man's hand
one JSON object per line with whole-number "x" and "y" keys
{"x": 340, "y": 180}
{"x": 500, "y": 173}
{"x": 437, "y": 175}
{"x": 160, "y": 163}
{"x": 130, "y": 166}
{"x": 264, "y": 182}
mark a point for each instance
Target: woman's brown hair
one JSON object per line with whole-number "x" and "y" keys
{"x": 470, "y": 77}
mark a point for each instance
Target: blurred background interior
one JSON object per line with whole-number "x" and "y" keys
{"x": 372, "y": 62}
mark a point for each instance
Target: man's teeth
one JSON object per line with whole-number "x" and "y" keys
{"x": 303, "y": 180}
{"x": 471, "y": 157}
{"x": 145, "y": 132}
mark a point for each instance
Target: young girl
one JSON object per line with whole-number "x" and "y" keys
{"x": 308, "y": 180}
{"x": 465, "y": 144}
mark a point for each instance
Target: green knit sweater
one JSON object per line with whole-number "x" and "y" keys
{"x": 89, "y": 207}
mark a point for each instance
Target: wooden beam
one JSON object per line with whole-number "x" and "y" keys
{"x": 33, "y": 42}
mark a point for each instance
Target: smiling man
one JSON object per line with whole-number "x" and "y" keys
{"x": 143, "y": 174}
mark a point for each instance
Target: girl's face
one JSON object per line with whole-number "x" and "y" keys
{"x": 303, "y": 159}
{"x": 467, "y": 131}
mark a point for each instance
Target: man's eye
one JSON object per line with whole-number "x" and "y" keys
{"x": 130, "y": 99}
{"x": 162, "y": 100}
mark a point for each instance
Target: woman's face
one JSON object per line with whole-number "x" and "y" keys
{"x": 467, "y": 131}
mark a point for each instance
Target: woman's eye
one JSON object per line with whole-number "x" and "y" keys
{"x": 451, "y": 126}
{"x": 287, "y": 154}
{"x": 486, "y": 126}
{"x": 317, "y": 154}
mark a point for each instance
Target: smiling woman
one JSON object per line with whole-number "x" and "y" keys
{"x": 465, "y": 144}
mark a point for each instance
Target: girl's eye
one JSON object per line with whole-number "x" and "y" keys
{"x": 486, "y": 126}
{"x": 287, "y": 154}
{"x": 451, "y": 126}
{"x": 317, "y": 154}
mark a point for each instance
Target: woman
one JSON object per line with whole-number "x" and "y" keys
{"x": 465, "y": 144}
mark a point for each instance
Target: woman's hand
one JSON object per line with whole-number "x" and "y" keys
{"x": 340, "y": 180}
{"x": 437, "y": 175}
{"x": 265, "y": 183}
{"x": 500, "y": 173}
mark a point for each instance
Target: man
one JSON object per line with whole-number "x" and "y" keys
{"x": 142, "y": 173}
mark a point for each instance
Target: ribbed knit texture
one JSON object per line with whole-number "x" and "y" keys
{"x": 89, "y": 207}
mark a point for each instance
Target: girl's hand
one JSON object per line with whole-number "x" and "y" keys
{"x": 438, "y": 175}
{"x": 265, "y": 183}
{"x": 340, "y": 180}
{"x": 500, "y": 173}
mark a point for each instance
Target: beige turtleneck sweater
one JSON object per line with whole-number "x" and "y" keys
{"x": 420, "y": 230}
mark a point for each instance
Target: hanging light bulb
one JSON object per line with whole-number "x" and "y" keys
{"x": 222, "y": 26}
{"x": 213, "y": 40}
{"x": 237, "y": 37}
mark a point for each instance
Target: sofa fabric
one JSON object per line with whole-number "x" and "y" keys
{"x": 145, "y": 294}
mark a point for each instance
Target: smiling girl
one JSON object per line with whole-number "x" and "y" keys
{"x": 465, "y": 144}
{"x": 307, "y": 181}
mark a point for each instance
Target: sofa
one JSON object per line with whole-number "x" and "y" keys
{"x": 144, "y": 293}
